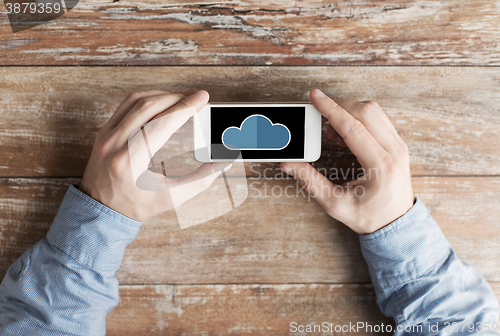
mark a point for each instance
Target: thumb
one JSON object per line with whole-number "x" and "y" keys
{"x": 318, "y": 186}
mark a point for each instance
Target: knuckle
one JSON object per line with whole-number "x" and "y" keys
{"x": 118, "y": 164}
{"x": 372, "y": 103}
{"x": 331, "y": 105}
{"x": 388, "y": 164}
{"x": 115, "y": 168}
{"x": 356, "y": 128}
{"x": 369, "y": 107}
{"x": 159, "y": 124}
{"x": 182, "y": 104}
{"x": 146, "y": 103}
{"x": 104, "y": 147}
{"x": 309, "y": 184}
{"x": 134, "y": 95}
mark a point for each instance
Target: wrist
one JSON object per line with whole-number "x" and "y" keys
{"x": 379, "y": 227}
{"x": 406, "y": 248}
{"x": 376, "y": 217}
{"x": 83, "y": 223}
{"x": 84, "y": 188}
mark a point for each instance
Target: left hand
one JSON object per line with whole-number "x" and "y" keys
{"x": 120, "y": 155}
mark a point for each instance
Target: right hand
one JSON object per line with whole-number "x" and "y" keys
{"x": 384, "y": 193}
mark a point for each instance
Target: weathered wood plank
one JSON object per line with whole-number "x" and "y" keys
{"x": 242, "y": 309}
{"x": 449, "y": 116}
{"x": 260, "y": 32}
{"x": 245, "y": 309}
{"x": 28, "y": 207}
{"x": 267, "y": 239}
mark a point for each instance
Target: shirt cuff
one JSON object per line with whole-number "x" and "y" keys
{"x": 90, "y": 232}
{"x": 410, "y": 247}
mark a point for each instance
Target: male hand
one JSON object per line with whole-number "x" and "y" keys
{"x": 113, "y": 167}
{"x": 385, "y": 192}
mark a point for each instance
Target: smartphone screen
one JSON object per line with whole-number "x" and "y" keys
{"x": 257, "y": 132}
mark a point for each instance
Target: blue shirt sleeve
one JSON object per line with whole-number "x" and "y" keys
{"x": 65, "y": 284}
{"x": 422, "y": 284}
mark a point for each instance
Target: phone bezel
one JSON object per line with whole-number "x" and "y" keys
{"x": 312, "y": 146}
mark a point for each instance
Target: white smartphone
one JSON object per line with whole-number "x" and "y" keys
{"x": 255, "y": 132}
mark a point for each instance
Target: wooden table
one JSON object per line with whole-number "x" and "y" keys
{"x": 432, "y": 65}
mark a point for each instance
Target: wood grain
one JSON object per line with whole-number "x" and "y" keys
{"x": 241, "y": 309}
{"x": 244, "y": 309}
{"x": 276, "y": 258}
{"x": 449, "y": 116}
{"x": 281, "y": 32}
{"x": 268, "y": 239}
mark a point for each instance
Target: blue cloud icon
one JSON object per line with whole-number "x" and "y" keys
{"x": 256, "y": 132}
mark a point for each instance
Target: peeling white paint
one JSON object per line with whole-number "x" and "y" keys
{"x": 47, "y": 138}
{"x": 57, "y": 51}
{"x": 216, "y": 22}
{"x": 127, "y": 55}
{"x": 334, "y": 56}
{"x": 166, "y": 305}
{"x": 12, "y": 44}
{"x": 413, "y": 12}
{"x": 156, "y": 47}
{"x": 242, "y": 328}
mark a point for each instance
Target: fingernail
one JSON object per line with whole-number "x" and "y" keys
{"x": 202, "y": 94}
{"x": 287, "y": 169}
{"x": 319, "y": 93}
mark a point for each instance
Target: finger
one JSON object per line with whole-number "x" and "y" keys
{"x": 354, "y": 105}
{"x": 320, "y": 188}
{"x": 129, "y": 101}
{"x": 145, "y": 141}
{"x": 376, "y": 121}
{"x": 159, "y": 130}
{"x": 355, "y": 135}
{"x": 391, "y": 126}
{"x": 143, "y": 111}
{"x": 197, "y": 100}
{"x": 190, "y": 185}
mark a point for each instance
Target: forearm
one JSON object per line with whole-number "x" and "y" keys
{"x": 65, "y": 284}
{"x": 419, "y": 280}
